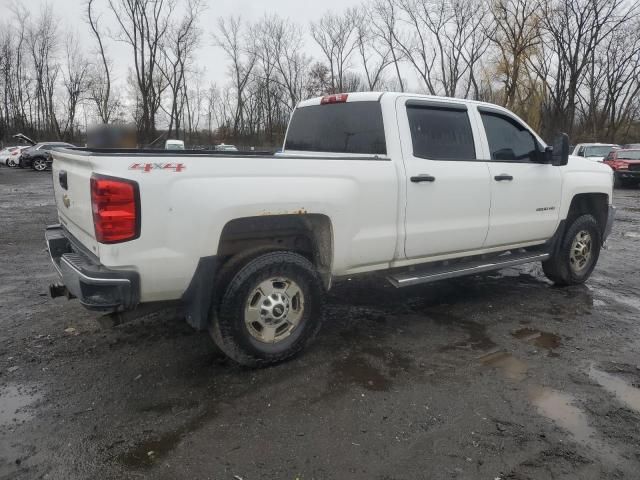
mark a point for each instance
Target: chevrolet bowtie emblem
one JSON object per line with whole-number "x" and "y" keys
{"x": 66, "y": 200}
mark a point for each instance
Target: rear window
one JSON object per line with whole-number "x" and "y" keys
{"x": 354, "y": 127}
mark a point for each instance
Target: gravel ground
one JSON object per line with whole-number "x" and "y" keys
{"x": 494, "y": 376}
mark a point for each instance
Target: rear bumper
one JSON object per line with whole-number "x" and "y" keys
{"x": 609, "y": 226}
{"x": 97, "y": 287}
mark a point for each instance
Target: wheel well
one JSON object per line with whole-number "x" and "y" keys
{"x": 307, "y": 234}
{"x": 595, "y": 204}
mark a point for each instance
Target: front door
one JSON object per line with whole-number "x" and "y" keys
{"x": 525, "y": 195}
{"x": 447, "y": 188}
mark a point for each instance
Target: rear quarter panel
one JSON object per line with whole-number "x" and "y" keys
{"x": 183, "y": 212}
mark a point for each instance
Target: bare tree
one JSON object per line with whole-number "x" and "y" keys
{"x": 231, "y": 38}
{"x": 75, "y": 82}
{"x": 335, "y": 34}
{"x": 444, "y": 43}
{"x": 516, "y": 36}
{"x": 609, "y": 97}
{"x": 143, "y": 26}
{"x": 43, "y": 43}
{"x": 572, "y": 31}
{"x": 384, "y": 25}
{"x": 375, "y": 55}
{"x": 291, "y": 63}
{"x": 175, "y": 62}
{"x": 101, "y": 80}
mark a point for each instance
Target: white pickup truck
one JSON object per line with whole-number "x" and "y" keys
{"x": 423, "y": 188}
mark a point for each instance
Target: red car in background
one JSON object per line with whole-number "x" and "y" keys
{"x": 626, "y": 166}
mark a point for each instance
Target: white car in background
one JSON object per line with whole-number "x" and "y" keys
{"x": 226, "y": 148}
{"x": 10, "y": 156}
{"x": 594, "y": 151}
{"x": 174, "y": 145}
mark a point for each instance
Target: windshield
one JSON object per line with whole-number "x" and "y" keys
{"x": 629, "y": 155}
{"x": 599, "y": 151}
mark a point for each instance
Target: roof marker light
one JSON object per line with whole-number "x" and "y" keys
{"x": 335, "y": 98}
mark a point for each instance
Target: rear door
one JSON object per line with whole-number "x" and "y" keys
{"x": 525, "y": 195}
{"x": 447, "y": 187}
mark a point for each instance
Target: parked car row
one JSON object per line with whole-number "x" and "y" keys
{"x": 623, "y": 159}
{"x": 38, "y": 156}
{"x": 10, "y": 156}
{"x": 626, "y": 166}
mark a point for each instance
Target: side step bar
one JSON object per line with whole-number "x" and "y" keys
{"x": 461, "y": 269}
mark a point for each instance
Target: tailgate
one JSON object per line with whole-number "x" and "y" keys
{"x": 72, "y": 189}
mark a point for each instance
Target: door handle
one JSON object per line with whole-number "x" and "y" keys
{"x": 62, "y": 179}
{"x": 503, "y": 176}
{"x": 423, "y": 178}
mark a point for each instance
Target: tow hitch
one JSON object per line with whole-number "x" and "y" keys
{"x": 60, "y": 290}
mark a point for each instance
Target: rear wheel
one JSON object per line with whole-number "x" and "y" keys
{"x": 39, "y": 164}
{"x": 578, "y": 254}
{"x": 270, "y": 310}
{"x": 11, "y": 162}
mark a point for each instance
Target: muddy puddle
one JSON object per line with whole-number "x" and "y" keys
{"x": 560, "y": 407}
{"x": 148, "y": 452}
{"x": 477, "y": 336}
{"x": 620, "y": 388}
{"x": 539, "y": 338}
{"x": 15, "y": 401}
{"x": 358, "y": 370}
{"x": 511, "y": 367}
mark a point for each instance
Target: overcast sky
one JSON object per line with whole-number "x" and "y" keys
{"x": 71, "y": 14}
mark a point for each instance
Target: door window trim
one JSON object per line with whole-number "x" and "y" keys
{"x": 511, "y": 118}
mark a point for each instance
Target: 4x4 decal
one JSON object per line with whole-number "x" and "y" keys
{"x": 148, "y": 167}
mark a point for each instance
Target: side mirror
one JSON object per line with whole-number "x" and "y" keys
{"x": 560, "y": 150}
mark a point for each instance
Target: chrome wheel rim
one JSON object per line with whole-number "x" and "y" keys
{"x": 11, "y": 163}
{"x": 274, "y": 309}
{"x": 39, "y": 165}
{"x": 581, "y": 251}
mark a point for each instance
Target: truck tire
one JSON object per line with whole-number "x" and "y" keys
{"x": 271, "y": 309}
{"x": 577, "y": 255}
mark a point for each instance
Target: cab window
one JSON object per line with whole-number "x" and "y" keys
{"x": 508, "y": 140}
{"x": 441, "y": 133}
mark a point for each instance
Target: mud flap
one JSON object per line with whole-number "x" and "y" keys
{"x": 198, "y": 295}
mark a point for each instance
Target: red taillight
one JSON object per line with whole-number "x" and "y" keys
{"x": 336, "y": 98}
{"x": 116, "y": 213}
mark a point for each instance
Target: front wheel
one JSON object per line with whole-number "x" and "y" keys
{"x": 39, "y": 164}
{"x": 270, "y": 311}
{"x": 11, "y": 163}
{"x": 574, "y": 261}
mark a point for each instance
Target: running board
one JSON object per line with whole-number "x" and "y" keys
{"x": 461, "y": 269}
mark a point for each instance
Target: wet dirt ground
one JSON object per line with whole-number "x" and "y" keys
{"x": 499, "y": 376}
